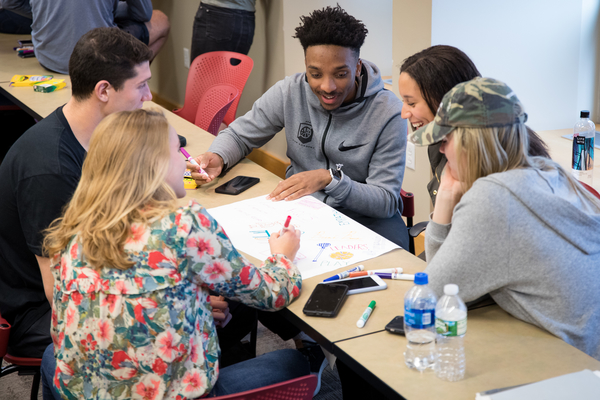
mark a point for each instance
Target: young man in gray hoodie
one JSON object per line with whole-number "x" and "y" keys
{"x": 345, "y": 136}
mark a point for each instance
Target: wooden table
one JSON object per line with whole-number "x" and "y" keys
{"x": 501, "y": 350}
{"x": 38, "y": 105}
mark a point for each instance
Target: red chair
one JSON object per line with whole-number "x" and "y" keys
{"x": 590, "y": 189}
{"x": 212, "y": 68}
{"x": 21, "y": 365}
{"x": 408, "y": 211}
{"x": 213, "y": 106}
{"x": 295, "y": 389}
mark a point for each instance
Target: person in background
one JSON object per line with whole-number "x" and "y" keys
{"x": 11, "y": 22}
{"x": 58, "y": 25}
{"x": 515, "y": 226}
{"x": 109, "y": 72}
{"x": 223, "y": 25}
{"x": 425, "y": 78}
{"x": 131, "y": 316}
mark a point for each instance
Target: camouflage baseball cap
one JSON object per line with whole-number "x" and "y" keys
{"x": 480, "y": 102}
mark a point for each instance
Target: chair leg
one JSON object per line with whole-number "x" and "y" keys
{"x": 35, "y": 386}
{"x": 411, "y": 240}
{"x": 254, "y": 334}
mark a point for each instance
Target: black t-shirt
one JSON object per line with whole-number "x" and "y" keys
{"x": 37, "y": 178}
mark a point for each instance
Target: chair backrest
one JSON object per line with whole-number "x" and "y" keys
{"x": 408, "y": 201}
{"x": 212, "y": 68}
{"x": 295, "y": 389}
{"x": 4, "y": 334}
{"x": 213, "y": 106}
{"x": 590, "y": 189}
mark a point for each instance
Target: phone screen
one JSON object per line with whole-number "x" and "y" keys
{"x": 361, "y": 283}
{"x": 237, "y": 185}
{"x": 325, "y": 300}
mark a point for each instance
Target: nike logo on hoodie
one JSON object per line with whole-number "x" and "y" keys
{"x": 346, "y": 148}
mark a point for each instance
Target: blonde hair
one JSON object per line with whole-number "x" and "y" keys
{"x": 498, "y": 149}
{"x": 122, "y": 182}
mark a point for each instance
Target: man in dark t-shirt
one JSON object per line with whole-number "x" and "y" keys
{"x": 109, "y": 72}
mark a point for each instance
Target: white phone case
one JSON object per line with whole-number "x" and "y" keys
{"x": 381, "y": 285}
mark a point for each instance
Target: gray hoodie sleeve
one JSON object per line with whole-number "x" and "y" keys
{"x": 252, "y": 130}
{"x": 378, "y": 196}
{"x": 472, "y": 252}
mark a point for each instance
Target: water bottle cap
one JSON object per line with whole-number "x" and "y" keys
{"x": 451, "y": 289}
{"x": 584, "y": 114}
{"x": 421, "y": 278}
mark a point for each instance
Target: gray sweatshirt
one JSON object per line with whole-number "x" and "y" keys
{"x": 523, "y": 237}
{"x": 368, "y": 136}
{"x": 58, "y": 24}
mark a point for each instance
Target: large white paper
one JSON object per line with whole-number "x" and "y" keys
{"x": 329, "y": 241}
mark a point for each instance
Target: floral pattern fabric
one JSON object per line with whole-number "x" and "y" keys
{"x": 148, "y": 332}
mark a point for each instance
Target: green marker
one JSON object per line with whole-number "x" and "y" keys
{"x": 363, "y": 319}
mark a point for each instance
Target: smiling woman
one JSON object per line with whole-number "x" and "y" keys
{"x": 425, "y": 78}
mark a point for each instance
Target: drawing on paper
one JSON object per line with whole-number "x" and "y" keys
{"x": 329, "y": 240}
{"x": 323, "y": 246}
{"x": 341, "y": 255}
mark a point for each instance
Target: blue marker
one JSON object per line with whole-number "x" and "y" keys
{"x": 344, "y": 274}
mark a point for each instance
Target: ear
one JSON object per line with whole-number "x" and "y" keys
{"x": 358, "y": 67}
{"x": 101, "y": 90}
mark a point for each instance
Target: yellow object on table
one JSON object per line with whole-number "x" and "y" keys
{"x": 49, "y": 86}
{"x": 28, "y": 80}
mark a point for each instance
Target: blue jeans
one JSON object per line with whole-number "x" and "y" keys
{"x": 268, "y": 369}
{"x": 222, "y": 29}
{"x": 47, "y": 369}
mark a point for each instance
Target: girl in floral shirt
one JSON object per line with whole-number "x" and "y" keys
{"x": 131, "y": 314}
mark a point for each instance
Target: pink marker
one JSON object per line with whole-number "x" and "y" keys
{"x": 286, "y": 225}
{"x": 190, "y": 159}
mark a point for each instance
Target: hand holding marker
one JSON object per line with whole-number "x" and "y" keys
{"x": 190, "y": 159}
{"x": 286, "y": 225}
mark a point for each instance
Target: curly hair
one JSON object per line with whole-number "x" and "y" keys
{"x": 331, "y": 26}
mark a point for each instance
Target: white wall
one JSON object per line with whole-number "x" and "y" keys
{"x": 376, "y": 15}
{"x": 545, "y": 50}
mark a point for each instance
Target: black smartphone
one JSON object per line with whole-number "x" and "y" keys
{"x": 396, "y": 325}
{"x": 326, "y": 300}
{"x": 237, "y": 185}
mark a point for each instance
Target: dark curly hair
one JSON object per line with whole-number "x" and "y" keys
{"x": 331, "y": 26}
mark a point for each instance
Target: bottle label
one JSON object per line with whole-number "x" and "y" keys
{"x": 451, "y": 328}
{"x": 419, "y": 319}
{"x": 583, "y": 153}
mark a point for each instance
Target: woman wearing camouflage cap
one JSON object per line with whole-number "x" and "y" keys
{"x": 518, "y": 227}
{"x": 425, "y": 77}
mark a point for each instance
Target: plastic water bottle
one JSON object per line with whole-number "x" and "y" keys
{"x": 451, "y": 326}
{"x": 583, "y": 148}
{"x": 419, "y": 324}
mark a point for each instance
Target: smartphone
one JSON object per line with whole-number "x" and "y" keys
{"x": 326, "y": 300}
{"x": 362, "y": 284}
{"x": 396, "y": 325}
{"x": 237, "y": 185}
